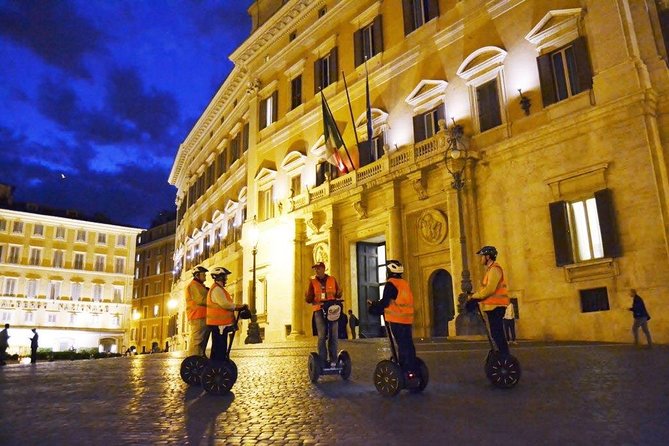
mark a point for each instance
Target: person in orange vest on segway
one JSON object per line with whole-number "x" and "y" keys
{"x": 323, "y": 288}
{"x": 492, "y": 298}
{"x": 220, "y": 313}
{"x": 196, "y": 312}
{"x": 397, "y": 308}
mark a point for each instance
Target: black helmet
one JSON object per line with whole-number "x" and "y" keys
{"x": 395, "y": 267}
{"x": 245, "y": 314}
{"x": 219, "y": 273}
{"x": 488, "y": 251}
{"x": 199, "y": 270}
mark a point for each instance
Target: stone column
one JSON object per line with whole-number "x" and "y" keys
{"x": 395, "y": 244}
{"x": 298, "y": 304}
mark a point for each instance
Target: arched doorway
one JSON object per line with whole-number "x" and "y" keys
{"x": 441, "y": 298}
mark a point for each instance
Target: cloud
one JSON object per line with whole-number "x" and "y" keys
{"x": 52, "y": 30}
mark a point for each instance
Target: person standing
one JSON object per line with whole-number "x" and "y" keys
{"x": 641, "y": 318}
{"x": 352, "y": 323}
{"x": 323, "y": 287}
{"x": 510, "y": 324}
{"x": 33, "y": 347}
{"x": 4, "y": 344}
{"x": 396, "y": 305}
{"x": 492, "y": 298}
{"x": 220, "y": 312}
{"x": 343, "y": 322}
{"x": 196, "y": 312}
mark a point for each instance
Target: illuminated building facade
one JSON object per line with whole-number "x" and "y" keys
{"x": 154, "y": 314}
{"x": 562, "y": 106}
{"x": 69, "y": 278}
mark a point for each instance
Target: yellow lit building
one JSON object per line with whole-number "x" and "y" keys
{"x": 154, "y": 314}
{"x": 70, "y": 278}
{"x": 554, "y": 113}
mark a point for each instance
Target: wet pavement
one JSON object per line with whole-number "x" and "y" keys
{"x": 570, "y": 393}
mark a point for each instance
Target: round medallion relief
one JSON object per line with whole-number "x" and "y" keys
{"x": 432, "y": 226}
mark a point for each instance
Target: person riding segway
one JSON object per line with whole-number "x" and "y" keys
{"x": 501, "y": 368}
{"x": 196, "y": 312}
{"x": 325, "y": 296}
{"x": 404, "y": 370}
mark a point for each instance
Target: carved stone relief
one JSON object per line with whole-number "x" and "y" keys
{"x": 432, "y": 226}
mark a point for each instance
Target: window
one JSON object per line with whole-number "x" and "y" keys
{"x": 584, "y": 229}
{"x": 97, "y": 292}
{"x": 35, "y": 256}
{"x": 17, "y": 228}
{"x": 146, "y": 289}
{"x": 565, "y": 72}
{"x": 296, "y": 92}
{"x": 28, "y": 317}
{"x": 269, "y": 110}
{"x": 266, "y": 204}
{"x": 73, "y": 318}
{"x": 292, "y": 36}
{"x": 78, "y": 260}
{"x": 116, "y": 321}
{"x": 54, "y": 290}
{"x": 51, "y": 318}
{"x": 31, "y": 288}
{"x": 426, "y": 124}
{"x": 81, "y": 235}
{"x": 296, "y": 184}
{"x": 10, "y": 286}
{"x": 157, "y": 289}
{"x": 368, "y": 41}
{"x": 325, "y": 170}
{"x": 325, "y": 71}
{"x": 146, "y": 312}
{"x": 154, "y": 331}
{"x": 6, "y": 317}
{"x": 102, "y": 239}
{"x": 156, "y": 310}
{"x": 99, "y": 262}
{"x": 418, "y": 12}
{"x": 143, "y": 333}
{"x": 14, "y": 254}
{"x": 60, "y": 233}
{"x": 76, "y": 291}
{"x": 118, "y": 294}
{"x": 120, "y": 240}
{"x": 2, "y": 251}
{"x": 487, "y": 101}
{"x": 58, "y": 259}
{"x": 3, "y": 224}
{"x": 595, "y": 299}
{"x": 158, "y": 267}
{"x": 38, "y": 230}
{"x": 221, "y": 163}
{"x": 119, "y": 265}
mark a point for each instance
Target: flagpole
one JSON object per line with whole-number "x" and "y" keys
{"x": 339, "y": 133}
{"x": 350, "y": 109}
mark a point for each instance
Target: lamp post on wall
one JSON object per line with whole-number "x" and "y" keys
{"x": 253, "y": 332}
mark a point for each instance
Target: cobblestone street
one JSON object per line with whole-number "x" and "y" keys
{"x": 570, "y": 393}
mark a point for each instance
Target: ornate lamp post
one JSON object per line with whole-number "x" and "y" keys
{"x": 253, "y": 333}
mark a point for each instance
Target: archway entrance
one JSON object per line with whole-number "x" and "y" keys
{"x": 443, "y": 306}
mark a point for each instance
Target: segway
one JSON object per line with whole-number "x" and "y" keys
{"x": 390, "y": 378}
{"x": 317, "y": 367}
{"x": 219, "y": 373}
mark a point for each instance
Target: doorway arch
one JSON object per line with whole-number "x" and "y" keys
{"x": 441, "y": 300}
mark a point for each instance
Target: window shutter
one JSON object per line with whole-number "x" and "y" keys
{"x": 607, "y": 223}
{"x": 583, "y": 71}
{"x": 317, "y": 76}
{"x": 418, "y": 128}
{"x": 320, "y": 173}
{"x": 364, "y": 153}
{"x": 377, "y": 34}
{"x": 432, "y": 9}
{"x": 441, "y": 114}
{"x": 407, "y": 11}
{"x": 334, "y": 66}
{"x": 546, "y": 78}
{"x": 561, "y": 235}
{"x": 488, "y": 103}
{"x": 262, "y": 121}
{"x": 245, "y": 136}
{"x": 357, "y": 48}
{"x": 275, "y": 106}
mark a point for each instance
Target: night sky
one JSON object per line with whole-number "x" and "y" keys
{"x": 103, "y": 92}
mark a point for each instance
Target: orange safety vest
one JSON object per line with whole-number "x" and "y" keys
{"x": 400, "y": 309}
{"x": 216, "y": 315}
{"x": 196, "y": 300}
{"x": 500, "y": 297}
{"x": 329, "y": 292}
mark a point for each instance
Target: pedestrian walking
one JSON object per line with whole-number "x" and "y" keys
{"x": 352, "y": 323}
{"x": 4, "y": 344}
{"x": 641, "y": 318}
{"x": 510, "y": 324}
{"x": 33, "y": 347}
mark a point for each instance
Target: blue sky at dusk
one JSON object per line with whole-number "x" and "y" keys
{"x": 103, "y": 92}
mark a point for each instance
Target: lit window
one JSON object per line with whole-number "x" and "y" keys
{"x": 14, "y": 254}
{"x": 60, "y": 233}
{"x": 119, "y": 265}
{"x": 51, "y": 318}
{"x": 76, "y": 291}
{"x": 102, "y": 239}
{"x": 99, "y": 262}
{"x": 81, "y": 235}
{"x": 156, "y": 310}
{"x": 10, "y": 286}
{"x": 54, "y": 290}
{"x": 79, "y": 260}
{"x": 120, "y": 240}
{"x": 31, "y": 288}
{"x": 38, "y": 230}
{"x": 97, "y": 292}
{"x": 28, "y": 317}
{"x": 118, "y": 294}
{"x": 17, "y": 228}
{"x": 58, "y": 259}
{"x": 3, "y": 224}
{"x": 35, "y": 256}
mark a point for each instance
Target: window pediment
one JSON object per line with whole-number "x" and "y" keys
{"x": 318, "y": 149}
{"x": 379, "y": 123}
{"x": 217, "y": 216}
{"x": 230, "y": 207}
{"x": 265, "y": 177}
{"x": 241, "y": 197}
{"x": 196, "y": 233}
{"x": 268, "y": 89}
{"x": 482, "y": 65}
{"x": 293, "y": 161}
{"x": 325, "y": 47}
{"x": 427, "y": 94}
{"x": 367, "y": 15}
{"x": 557, "y": 28}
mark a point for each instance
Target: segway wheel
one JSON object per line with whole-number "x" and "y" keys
{"x": 314, "y": 367}
{"x": 344, "y": 360}
{"x": 424, "y": 374}
{"x": 218, "y": 377}
{"x": 388, "y": 378}
{"x": 503, "y": 371}
{"x": 191, "y": 369}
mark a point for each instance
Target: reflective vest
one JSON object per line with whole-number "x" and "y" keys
{"x": 500, "y": 297}
{"x": 216, "y": 315}
{"x": 400, "y": 309}
{"x": 196, "y": 300}
{"x": 329, "y": 292}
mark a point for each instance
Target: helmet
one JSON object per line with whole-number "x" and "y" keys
{"x": 245, "y": 314}
{"x": 198, "y": 270}
{"x": 395, "y": 267}
{"x": 488, "y": 251}
{"x": 219, "y": 272}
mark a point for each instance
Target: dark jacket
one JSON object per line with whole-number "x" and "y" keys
{"x": 639, "y": 308}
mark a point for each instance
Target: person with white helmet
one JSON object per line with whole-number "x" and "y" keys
{"x": 323, "y": 288}
{"x": 196, "y": 312}
{"x": 397, "y": 307}
{"x": 220, "y": 312}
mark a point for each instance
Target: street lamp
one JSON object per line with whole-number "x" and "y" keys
{"x": 253, "y": 333}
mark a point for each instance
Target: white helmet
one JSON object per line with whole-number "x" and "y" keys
{"x": 395, "y": 267}
{"x": 219, "y": 272}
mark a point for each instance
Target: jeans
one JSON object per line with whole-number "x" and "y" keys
{"x": 406, "y": 351}
{"x": 643, "y": 323}
{"x": 326, "y": 329}
{"x": 496, "y": 328}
